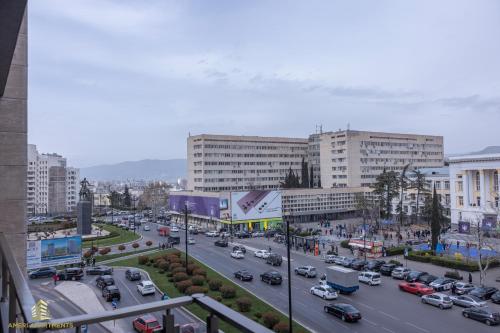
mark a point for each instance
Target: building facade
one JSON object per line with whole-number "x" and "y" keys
{"x": 52, "y": 187}
{"x": 355, "y": 158}
{"x": 231, "y": 163}
{"x": 474, "y": 186}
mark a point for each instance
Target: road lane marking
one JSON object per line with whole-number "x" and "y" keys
{"x": 388, "y": 330}
{"x": 367, "y": 306}
{"x": 388, "y": 315}
{"x": 418, "y": 327}
{"x": 370, "y": 322}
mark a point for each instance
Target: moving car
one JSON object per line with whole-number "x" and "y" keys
{"x": 271, "y": 277}
{"x": 413, "y": 276}
{"x": 191, "y": 241}
{"x": 243, "y": 275}
{"x": 467, "y": 301}
{"x": 442, "y": 284}
{"x": 133, "y": 275}
{"x": 442, "y": 301}
{"x": 237, "y": 255}
{"x": 330, "y": 259}
{"x": 374, "y": 265}
{"x": 339, "y": 259}
{"x": 386, "y": 269}
{"x": 42, "y": 272}
{"x": 99, "y": 270}
{"x": 274, "y": 259}
{"x": 72, "y": 273}
{"x": 415, "y": 288}
{"x": 104, "y": 280}
{"x": 483, "y": 314}
{"x": 111, "y": 293}
{"x": 243, "y": 234}
{"x": 221, "y": 243}
{"x": 484, "y": 292}
{"x": 240, "y": 248}
{"x": 211, "y": 234}
{"x": 462, "y": 288}
{"x": 371, "y": 278}
{"x": 346, "y": 312}
{"x": 147, "y": 324}
{"x": 307, "y": 271}
{"x": 426, "y": 278}
{"x": 146, "y": 228}
{"x": 258, "y": 234}
{"x": 262, "y": 254}
{"x": 495, "y": 298}
{"x": 400, "y": 273}
{"x": 324, "y": 292}
{"x": 146, "y": 287}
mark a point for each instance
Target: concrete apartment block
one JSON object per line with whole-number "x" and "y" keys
{"x": 13, "y": 149}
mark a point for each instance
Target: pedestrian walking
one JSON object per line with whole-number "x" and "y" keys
{"x": 163, "y": 246}
{"x": 470, "y": 277}
{"x": 55, "y": 277}
{"x": 453, "y": 289}
{"x": 93, "y": 262}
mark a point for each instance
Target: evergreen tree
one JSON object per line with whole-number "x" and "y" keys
{"x": 386, "y": 186}
{"x": 311, "y": 177}
{"x": 319, "y": 182}
{"x": 436, "y": 219}
{"x": 127, "y": 202}
{"x": 304, "y": 174}
{"x": 418, "y": 183}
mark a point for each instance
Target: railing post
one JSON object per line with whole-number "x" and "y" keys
{"x": 168, "y": 322}
{"x": 212, "y": 324}
{"x": 4, "y": 279}
{"x": 12, "y": 306}
{"x": 78, "y": 329}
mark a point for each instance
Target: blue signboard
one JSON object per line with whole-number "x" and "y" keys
{"x": 54, "y": 251}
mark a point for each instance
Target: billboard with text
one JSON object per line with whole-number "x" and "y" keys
{"x": 197, "y": 205}
{"x": 256, "y": 205}
{"x": 53, "y": 252}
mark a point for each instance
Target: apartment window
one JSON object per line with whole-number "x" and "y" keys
{"x": 460, "y": 201}
{"x": 478, "y": 182}
{"x": 460, "y": 186}
{"x": 438, "y": 185}
{"x": 478, "y": 199}
{"x": 447, "y": 199}
{"x": 446, "y": 185}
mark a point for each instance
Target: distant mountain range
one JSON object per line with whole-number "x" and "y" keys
{"x": 167, "y": 170}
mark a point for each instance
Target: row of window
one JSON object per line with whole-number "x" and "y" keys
{"x": 218, "y": 155}
{"x": 246, "y": 147}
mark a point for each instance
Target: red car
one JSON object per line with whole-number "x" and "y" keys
{"x": 146, "y": 324}
{"x": 416, "y": 288}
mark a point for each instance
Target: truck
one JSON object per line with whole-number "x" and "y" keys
{"x": 345, "y": 280}
{"x": 164, "y": 231}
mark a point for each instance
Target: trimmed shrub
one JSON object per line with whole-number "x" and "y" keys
{"x": 395, "y": 251}
{"x": 152, "y": 260}
{"x": 121, "y": 247}
{"x": 453, "y": 275}
{"x": 198, "y": 280}
{"x": 395, "y": 262}
{"x": 218, "y": 299}
{"x": 178, "y": 270}
{"x": 258, "y": 315}
{"x": 180, "y": 277}
{"x": 142, "y": 260}
{"x": 215, "y": 285}
{"x": 135, "y": 245}
{"x": 244, "y": 304}
{"x": 173, "y": 259}
{"x": 174, "y": 266}
{"x": 227, "y": 292}
{"x": 149, "y": 243}
{"x": 148, "y": 264}
{"x": 281, "y": 327}
{"x": 270, "y": 319}
{"x": 344, "y": 244}
{"x": 196, "y": 290}
{"x": 200, "y": 271}
{"x": 183, "y": 285}
{"x": 191, "y": 268}
{"x": 163, "y": 265}
{"x": 87, "y": 254}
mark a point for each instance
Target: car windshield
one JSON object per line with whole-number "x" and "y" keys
{"x": 438, "y": 281}
{"x": 349, "y": 308}
{"x": 376, "y": 276}
{"x": 330, "y": 290}
{"x": 152, "y": 324}
{"x": 447, "y": 298}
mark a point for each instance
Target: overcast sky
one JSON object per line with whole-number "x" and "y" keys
{"x": 112, "y": 81}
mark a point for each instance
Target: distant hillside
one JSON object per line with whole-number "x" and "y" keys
{"x": 168, "y": 170}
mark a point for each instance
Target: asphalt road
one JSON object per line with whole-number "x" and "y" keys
{"x": 384, "y": 308}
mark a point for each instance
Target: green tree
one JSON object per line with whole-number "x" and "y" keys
{"x": 311, "y": 177}
{"x": 304, "y": 174}
{"x": 291, "y": 180}
{"x": 127, "y": 202}
{"x": 386, "y": 187}
{"x": 418, "y": 183}
{"x": 403, "y": 185}
{"x": 436, "y": 219}
{"x": 116, "y": 199}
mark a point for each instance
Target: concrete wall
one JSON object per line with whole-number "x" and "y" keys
{"x": 13, "y": 150}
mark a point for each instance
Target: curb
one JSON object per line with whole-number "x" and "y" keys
{"x": 128, "y": 256}
{"x": 128, "y": 243}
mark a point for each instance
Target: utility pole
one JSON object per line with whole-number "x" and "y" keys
{"x": 186, "y": 230}
{"x": 290, "y": 321}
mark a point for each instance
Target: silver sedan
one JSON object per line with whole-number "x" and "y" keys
{"x": 467, "y": 301}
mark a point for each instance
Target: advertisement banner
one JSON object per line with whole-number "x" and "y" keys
{"x": 203, "y": 206}
{"x": 256, "y": 205}
{"x": 463, "y": 227}
{"x": 489, "y": 223}
{"x": 54, "y": 252}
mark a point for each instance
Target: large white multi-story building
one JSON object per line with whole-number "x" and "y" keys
{"x": 52, "y": 187}
{"x": 355, "y": 158}
{"x": 474, "y": 186}
{"x": 234, "y": 163}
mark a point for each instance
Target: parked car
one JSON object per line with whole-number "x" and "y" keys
{"x": 271, "y": 277}
{"x": 243, "y": 234}
{"x": 42, "y": 272}
{"x": 72, "y": 273}
{"x": 147, "y": 324}
{"x": 426, "y": 279}
{"x": 324, "y": 292}
{"x": 237, "y": 255}
{"x": 307, "y": 271}
{"x": 442, "y": 301}
{"x": 262, "y": 254}
{"x": 104, "y": 280}
{"x": 347, "y": 262}
{"x": 442, "y": 284}
{"x": 400, "y": 273}
{"x": 221, "y": 243}
{"x": 462, "y": 288}
{"x": 467, "y": 301}
{"x": 483, "y": 314}
{"x": 374, "y": 265}
{"x": 133, "y": 275}
{"x": 358, "y": 264}
{"x": 111, "y": 293}
{"x": 211, "y": 234}
{"x": 146, "y": 228}
{"x": 274, "y": 259}
{"x": 99, "y": 270}
{"x": 240, "y": 248}
{"x": 346, "y": 312}
{"x": 330, "y": 259}
{"x": 146, "y": 287}
{"x": 258, "y": 234}
{"x": 483, "y": 293}
{"x": 415, "y": 288}
{"x": 413, "y": 276}
{"x": 225, "y": 234}
{"x": 495, "y": 298}
{"x": 243, "y": 275}
{"x": 370, "y": 278}
{"x": 386, "y": 269}
{"x": 339, "y": 259}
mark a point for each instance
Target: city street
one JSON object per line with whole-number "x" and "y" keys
{"x": 384, "y": 308}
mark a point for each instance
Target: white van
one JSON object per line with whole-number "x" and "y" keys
{"x": 371, "y": 278}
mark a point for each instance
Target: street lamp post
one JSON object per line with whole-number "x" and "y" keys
{"x": 186, "y": 231}
{"x": 289, "y": 272}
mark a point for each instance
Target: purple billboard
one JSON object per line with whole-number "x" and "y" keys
{"x": 464, "y": 227}
{"x": 489, "y": 223}
{"x": 204, "y": 206}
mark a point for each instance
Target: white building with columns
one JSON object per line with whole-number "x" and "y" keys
{"x": 474, "y": 185}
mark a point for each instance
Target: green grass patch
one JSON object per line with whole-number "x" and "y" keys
{"x": 100, "y": 258}
{"x": 116, "y": 236}
{"x": 258, "y": 307}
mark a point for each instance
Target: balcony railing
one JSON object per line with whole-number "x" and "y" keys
{"x": 16, "y": 303}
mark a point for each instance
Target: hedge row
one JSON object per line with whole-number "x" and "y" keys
{"x": 345, "y": 244}
{"x": 395, "y": 251}
{"x": 428, "y": 257}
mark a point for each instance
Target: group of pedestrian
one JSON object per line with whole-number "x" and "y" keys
{"x": 163, "y": 246}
